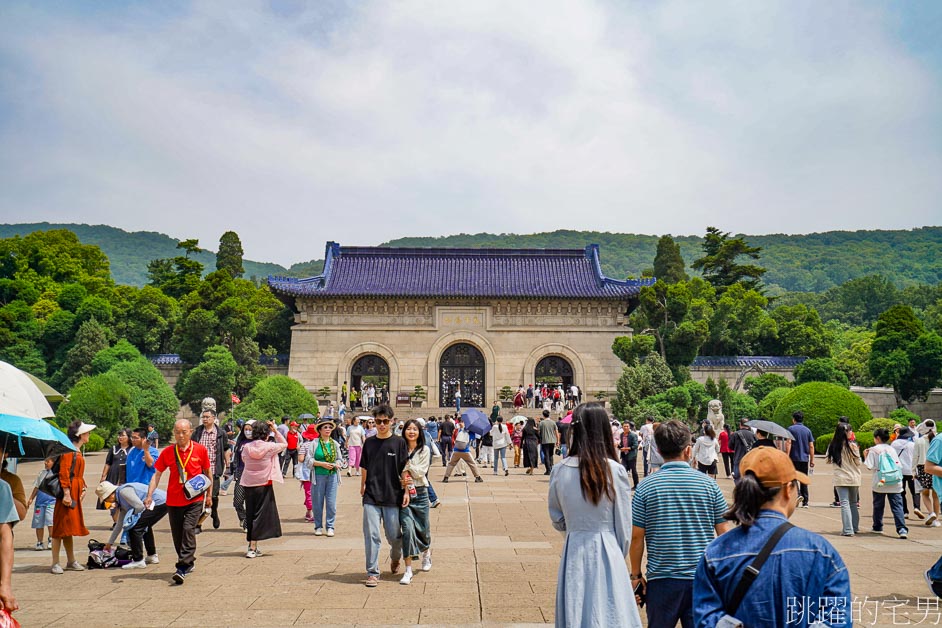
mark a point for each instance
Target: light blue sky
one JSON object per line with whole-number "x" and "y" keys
{"x": 361, "y": 122}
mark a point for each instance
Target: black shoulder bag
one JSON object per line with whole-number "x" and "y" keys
{"x": 750, "y": 573}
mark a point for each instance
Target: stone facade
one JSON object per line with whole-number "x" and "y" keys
{"x": 330, "y": 335}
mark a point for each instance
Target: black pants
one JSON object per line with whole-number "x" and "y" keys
{"x": 141, "y": 535}
{"x": 291, "y": 455}
{"x": 908, "y": 482}
{"x": 802, "y": 467}
{"x": 215, "y": 507}
{"x": 728, "y": 462}
{"x": 183, "y": 521}
{"x": 631, "y": 466}
{"x": 548, "y": 449}
{"x": 446, "y": 449}
{"x": 238, "y": 501}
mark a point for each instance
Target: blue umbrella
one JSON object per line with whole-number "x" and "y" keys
{"x": 476, "y": 421}
{"x": 21, "y": 437}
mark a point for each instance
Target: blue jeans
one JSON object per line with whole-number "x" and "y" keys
{"x": 850, "y": 516}
{"x": 935, "y": 574}
{"x": 373, "y": 518}
{"x": 500, "y": 454}
{"x": 432, "y": 495}
{"x": 896, "y": 507}
{"x": 324, "y": 493}
{"x": 457, "y": 406}
{"x": 669, "y": 600}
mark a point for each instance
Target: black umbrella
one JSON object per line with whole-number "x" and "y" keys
{"x": 770, "y": 428}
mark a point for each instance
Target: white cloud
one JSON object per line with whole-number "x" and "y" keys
{"x": 388, "y": 119}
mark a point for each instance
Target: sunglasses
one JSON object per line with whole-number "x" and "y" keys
{"x": 382, "y": 421}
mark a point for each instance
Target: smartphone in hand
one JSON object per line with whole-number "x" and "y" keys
{"x": 639, "y": 592}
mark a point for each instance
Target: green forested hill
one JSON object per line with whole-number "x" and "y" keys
{"x": 811, "y": 263}
{"x": 130, "y": 252}
{"x": 807, "y": 263}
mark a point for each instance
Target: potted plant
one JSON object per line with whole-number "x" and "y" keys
{"x": 323, "y": 396}
{"x": 506, "y": 395}
{"x": 418, "y": 396}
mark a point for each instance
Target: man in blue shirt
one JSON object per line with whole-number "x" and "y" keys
{"x": 803, "y": 582}
{"x": 801, "y": 450}
{"x": 676, "y": 512}
{"x": 139, "y": 466}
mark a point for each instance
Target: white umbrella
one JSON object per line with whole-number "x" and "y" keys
{"x": 19, "y": 396}
{"x": 518, "y": 419}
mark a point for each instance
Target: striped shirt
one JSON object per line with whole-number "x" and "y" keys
{"x": 678, "y": 508}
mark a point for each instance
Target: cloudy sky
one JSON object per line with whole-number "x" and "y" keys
{"x": 298, "y": 122}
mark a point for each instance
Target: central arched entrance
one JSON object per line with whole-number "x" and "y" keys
{"x": 554, "y": 370}
{"x": 370, "y": 369}
{"x": 462, "y": 365}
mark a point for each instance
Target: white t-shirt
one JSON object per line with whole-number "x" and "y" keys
{"x": 705, "y": 450}
{"x": 355, "y": 436}
{"x": 873, "y": 462}
{"x": 647, "y": 434}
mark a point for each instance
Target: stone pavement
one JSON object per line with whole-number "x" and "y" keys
{"x": 495, "y": 562}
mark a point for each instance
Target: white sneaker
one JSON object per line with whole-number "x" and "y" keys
{"x": 932, "y": 517}
{"x": 39, "y": 547}
{"x": 56, "y": 569}
{"x": 936, "y": 523}
{"x": 319, "y": 532}
{"x": 153, "y": 559}
{"x": 136, "y": 564}
{"x": 330, "y": 531}
{"x": 427, "y": 560}
{"x": 406, "y": 577}
{"x": 251, "y": 553}
{"x": 75, "y": 566}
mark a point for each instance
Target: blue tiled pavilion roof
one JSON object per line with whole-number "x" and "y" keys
{"x": 460, "y": 273}
{"x": 741, "y": 361}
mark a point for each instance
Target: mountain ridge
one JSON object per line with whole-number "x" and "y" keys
{"x": 810, "y": 262}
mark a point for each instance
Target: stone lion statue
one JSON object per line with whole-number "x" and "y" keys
{"x": 715, "y": 415}
{"x": 210, "y": 404}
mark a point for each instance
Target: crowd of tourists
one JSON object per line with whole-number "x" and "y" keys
{"x": 669, "y": 536}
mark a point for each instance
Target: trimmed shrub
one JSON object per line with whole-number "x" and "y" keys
{"x": 95, "y": 442}
{"x": 873, "y": 424}
{"x": 822, "y": 404}
{"x": 770, "y": 402}
{"x": 902, "y": 416}
{"x": 274, "y": 397}
{"x": 864, "y": 440}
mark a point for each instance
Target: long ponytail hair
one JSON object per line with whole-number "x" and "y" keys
{"x": 591, "y": 437}
{"x": 748, "y": 498}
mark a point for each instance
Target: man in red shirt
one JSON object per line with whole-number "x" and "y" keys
{"x": 291, "y": 454}
{"x": 183, "y": 512}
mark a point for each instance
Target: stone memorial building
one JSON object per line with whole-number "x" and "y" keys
{"x": 442, "y": 318}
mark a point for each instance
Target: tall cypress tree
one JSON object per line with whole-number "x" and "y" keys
{"x": 668, "y": 263}
{"x": 229, "y": 256}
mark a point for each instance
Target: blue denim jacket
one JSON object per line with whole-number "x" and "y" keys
{"x": 791, "y": 587}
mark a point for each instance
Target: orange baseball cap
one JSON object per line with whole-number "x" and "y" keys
{"x": 771, "y": 466}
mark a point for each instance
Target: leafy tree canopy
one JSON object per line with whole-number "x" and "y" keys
{"x": 229, "y": 256}
{"x": 905, "y": 356}
{"x": 668, "y": 262}
{"x": 277, "y": 396}
{"x": 719, "y": 262}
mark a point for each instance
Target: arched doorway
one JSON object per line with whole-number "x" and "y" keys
{"x": 370, "y": 369}
{"x": 462, "y": 365}
{"x": 554, "y": 370}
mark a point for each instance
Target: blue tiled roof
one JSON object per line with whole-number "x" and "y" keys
{"x": 474, "y": 273}
{"x": 740, "y": 361}
{"x": 163, "y": 359}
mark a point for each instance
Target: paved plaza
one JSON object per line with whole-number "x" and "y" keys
{"x": 495, "y": 561}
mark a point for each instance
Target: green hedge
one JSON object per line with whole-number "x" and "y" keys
{"x": 864, "y": 440}
{"x": 95, "y": 442}
{"x": 770, "y": 402}
{"x": 902, "y": 416}
{"x": 822, "y": 404}
{"x": 873, "y": 424}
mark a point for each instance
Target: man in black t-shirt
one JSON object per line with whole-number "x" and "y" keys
{"x": 382, "y": 462}
{"x": 741, "y": 442}
{"x": 445, "y": 444}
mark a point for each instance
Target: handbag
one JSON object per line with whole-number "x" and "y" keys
{"x": 195, "y": 486}
{"x": 51, "y": 485}
{"x": 748, "y": 577}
